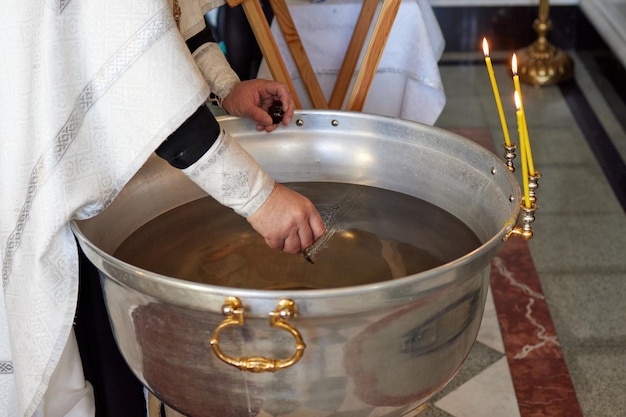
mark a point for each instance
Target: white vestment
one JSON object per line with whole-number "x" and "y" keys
{"x": 89, "y": 89}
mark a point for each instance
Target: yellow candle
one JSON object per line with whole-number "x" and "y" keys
{"x": 516, "y": 82}
{"x": 529, "y": 153}
{"x": 496, "y": 93}
{"x": 523, "y": 150}
{"x": 518, "y": 91}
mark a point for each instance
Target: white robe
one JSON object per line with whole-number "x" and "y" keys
{"x": 89, "y": 89}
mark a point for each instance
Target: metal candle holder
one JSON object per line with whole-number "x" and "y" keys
{"x": 528, "y": 213}
{"x": 527, "y": 217}
{"x": 525, "y": 230}
{"x": 542, "y": 63}
{"x": 509, "y": 155}
{"x": 533, "y": 184}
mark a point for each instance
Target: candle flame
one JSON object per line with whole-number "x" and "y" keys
{"x": 514, "y": 64}
{"x": 485, "y": 47}
{"x": 518, "y": 100}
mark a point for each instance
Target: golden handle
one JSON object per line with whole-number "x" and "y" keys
{"x": 233, "y": 310}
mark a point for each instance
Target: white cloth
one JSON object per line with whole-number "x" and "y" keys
{"x": 407, "y": 84}
{"x": 209, "y": 57}
{"x": 216, "y": 69}
{"x": 89, "y": 90}
{"x": 68, "y": 394}
{"x": 192, "y": 15}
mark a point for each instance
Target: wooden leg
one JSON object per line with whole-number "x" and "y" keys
{"x": 155, "y": 408}
{"x": 154, "y": 405}
{"x": 172, "y": 413}
{"x": 368, "y": 9}
{"x": 374, "y": 51}
{"x": 309, "y": 79}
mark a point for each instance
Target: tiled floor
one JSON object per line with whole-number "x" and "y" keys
{"x": 576, "y": 262}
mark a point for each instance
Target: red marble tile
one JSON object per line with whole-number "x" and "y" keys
{"x": 543, "y": 388}
{"x": 542, "y": 382}
{"x": 525, "y": 321}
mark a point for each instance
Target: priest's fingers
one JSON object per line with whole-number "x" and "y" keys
{"x": 287, "y": 220}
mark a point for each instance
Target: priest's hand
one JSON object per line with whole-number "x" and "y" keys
{"x": 253, "y": 98}
{"x": 288, "y": 221}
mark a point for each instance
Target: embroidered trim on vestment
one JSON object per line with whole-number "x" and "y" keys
{"x": 6, "y": 367}
{"x": 110, "y": 72}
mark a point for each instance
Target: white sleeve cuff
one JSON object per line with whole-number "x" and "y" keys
{"x": 228, "y": 173}
{"x": 215, "y": 68}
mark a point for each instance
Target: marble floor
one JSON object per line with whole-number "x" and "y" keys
{"x": 553, "y": 339}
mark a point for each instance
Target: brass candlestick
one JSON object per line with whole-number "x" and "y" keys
{"x": 524, "y": 231}
{"x": 542, "y": 63}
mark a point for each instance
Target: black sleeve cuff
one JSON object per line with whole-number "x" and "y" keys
{"x": 191, "y": 140}
{"x": 199, "y": 39}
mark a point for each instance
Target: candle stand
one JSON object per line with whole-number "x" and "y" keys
{"x": 525, "y": 230}
{"x": 542, "y": 63}
{"x": 527, "y": 216}
{"x": 509, "y": 155}
{"x": 533, "y": 184}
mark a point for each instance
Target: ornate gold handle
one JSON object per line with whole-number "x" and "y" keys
{"x": 233, "y": 310}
